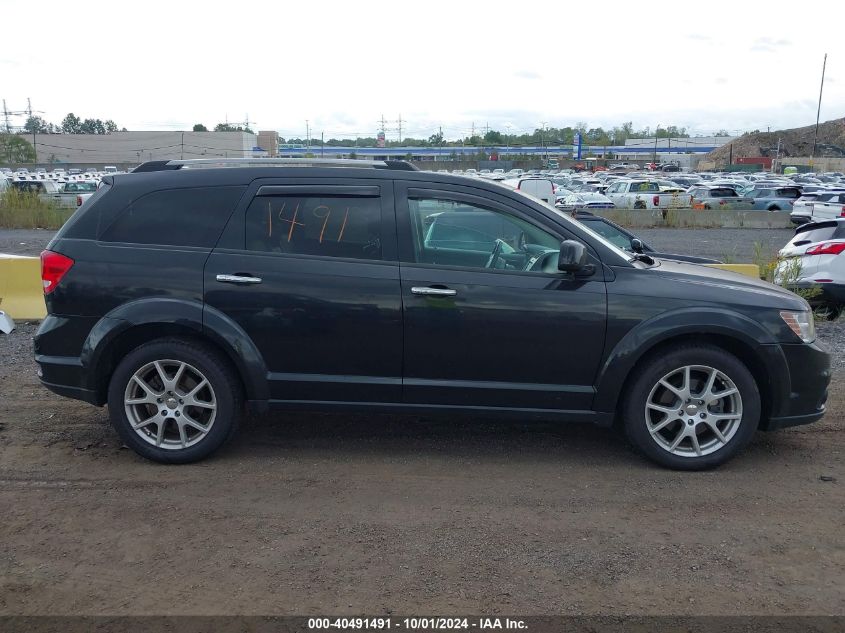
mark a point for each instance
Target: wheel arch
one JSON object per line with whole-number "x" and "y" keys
{"x": 753, "y": 348}
{"x": 139, "y": 322}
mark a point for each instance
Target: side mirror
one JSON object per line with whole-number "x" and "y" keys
{"x": 573, "y": 256}
{"x": 637, "y": 245}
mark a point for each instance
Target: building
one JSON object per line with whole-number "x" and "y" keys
{"x": 268, "y": 141}
{"x": 131, "y": 148}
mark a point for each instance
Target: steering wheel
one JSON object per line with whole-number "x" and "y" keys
{"x": 494, "y": 255}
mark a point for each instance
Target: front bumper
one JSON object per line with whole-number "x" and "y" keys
{"x": 804, "y": 401}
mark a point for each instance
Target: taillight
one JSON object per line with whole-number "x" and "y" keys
{"x": 53, "y": 268}
{"x": 656, "y": 201}
{"x": 826, "y": 248}
{"x": 842, "y": 213}
{"x": 78, "y": 201}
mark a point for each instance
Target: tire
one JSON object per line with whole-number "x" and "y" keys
{"x": 639, "y": 205}
{"x": 198, "y": 418}
{"x": 774, "y": 208}
{"x": 741, "y": 410}
{"x": 828, "y": 311}
{"x": 707, "y": 207}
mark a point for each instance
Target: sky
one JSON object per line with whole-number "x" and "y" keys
{"x": 341, "y": 66}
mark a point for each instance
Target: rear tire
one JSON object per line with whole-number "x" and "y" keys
{"x": 174, "y": 401}
{"x": 692, "y": 407}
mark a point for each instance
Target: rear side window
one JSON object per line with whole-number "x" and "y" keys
{"x": 331, "y": 226}
{"x": 821, "y": 234}
{"x": 175, "y": 217}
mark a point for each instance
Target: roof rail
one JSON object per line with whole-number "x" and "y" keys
{"x": 216, "y": 163}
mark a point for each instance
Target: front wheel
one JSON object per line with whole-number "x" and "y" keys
{"x": 174, "y": 401}
{"x": 692, "y": 408}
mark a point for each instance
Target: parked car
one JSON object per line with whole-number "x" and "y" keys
{"x": 584, "y": 200}
{"x": 827, "y": 206}
{"x": 541, "y": 188}
{"x": 279, "y": 286}
{"x": 718, "y": 197}
{"x": 645, "y": 194}
{"x": 774, "y": 198}
{"x": 628, "y": 241}
{"x": 814, "y": 260}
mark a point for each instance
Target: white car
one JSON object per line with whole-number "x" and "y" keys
{"x": 814, "y": 261}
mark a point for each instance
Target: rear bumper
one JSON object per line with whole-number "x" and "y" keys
{"x": 804, "y": 400}
{"x": 830, "y": 293}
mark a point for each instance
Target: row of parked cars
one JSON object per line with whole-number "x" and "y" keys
{"x": 806, "y": 197}
{"x": 68, "y": 188}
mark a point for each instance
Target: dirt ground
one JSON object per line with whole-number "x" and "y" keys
{"x": 315, "y": 514}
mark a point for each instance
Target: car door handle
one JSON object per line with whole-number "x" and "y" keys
{"x": 433, "y": 292}
{"x": 238, "y": 279}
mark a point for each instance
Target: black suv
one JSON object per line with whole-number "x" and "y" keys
{"x": 186, "y": 291}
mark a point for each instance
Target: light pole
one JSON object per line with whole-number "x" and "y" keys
{"x": 654, "y": 158}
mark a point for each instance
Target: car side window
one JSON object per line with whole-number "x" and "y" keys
{"x": 455, "y": 233}
{"x": 331, "y": 226}
{"x": 175, "y": 217}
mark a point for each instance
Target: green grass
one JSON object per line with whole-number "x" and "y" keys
{"x": 21, "y": 210}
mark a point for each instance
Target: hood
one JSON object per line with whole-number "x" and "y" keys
{"x": 729, "y": 285}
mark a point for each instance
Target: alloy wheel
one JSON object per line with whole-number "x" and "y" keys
{"x": 693, "y": 411}
{"x": 170, "y": 404}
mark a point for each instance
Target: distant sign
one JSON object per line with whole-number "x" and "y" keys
{"x": 576, "y": 146}
{"x": 380, "y": 139}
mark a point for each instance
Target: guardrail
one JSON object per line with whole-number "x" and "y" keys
{"x": 21, "y": 293}
{"x": 699, "y": 219}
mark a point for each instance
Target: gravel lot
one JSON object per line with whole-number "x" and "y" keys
{"x": 349, "y": 514}
{"x": 733, "y": 246}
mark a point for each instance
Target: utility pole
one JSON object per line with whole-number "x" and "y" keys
{"x": 182, "y": 150}
{"x": 440, "y": 137}
{"x": 399, "y": 122}
{"x": 6, "y": 117}
{"x": 543, "y": 141}
{"x": 322, "y": 145}
{"x": 307, "y": 135}
{"x": 818, "y": 112}
{"x": 35, "y": 146}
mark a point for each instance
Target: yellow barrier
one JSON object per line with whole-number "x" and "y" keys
{"x": 752, "y": 270}
{"x": 21, "y": 291}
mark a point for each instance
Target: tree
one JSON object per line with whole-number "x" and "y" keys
{"x": 92, "y": 126}
{"x": 16, "y": 149}
{"x": 71, "y": 124}
{"x": 436, "y": 139}
{"x": 111, "y": 126}
{"x": 225, "y": 127}
{"x": 493, "y": 137}
{"x": 199, "y": 127}
{"x": 36, "y": 125}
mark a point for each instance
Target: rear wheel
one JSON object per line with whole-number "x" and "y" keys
{"x": 639, "y": 204}
{"x": 692, "y": 408}
{"x": 174, "y": 401}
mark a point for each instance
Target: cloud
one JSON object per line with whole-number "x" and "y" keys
{"x": 768, "y": 44}
{"x": 699, "y": 37}
{"x": 526, "y": 74}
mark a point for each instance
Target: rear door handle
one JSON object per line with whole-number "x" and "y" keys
{"x": 433, "y": 292}
{"x": 243, "y": 280}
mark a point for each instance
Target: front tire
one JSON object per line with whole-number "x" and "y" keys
{"x": 174, "y": 401}
{"x": 692, "y": 408}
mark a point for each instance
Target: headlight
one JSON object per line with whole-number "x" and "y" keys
{"x": 801, "y": 323}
